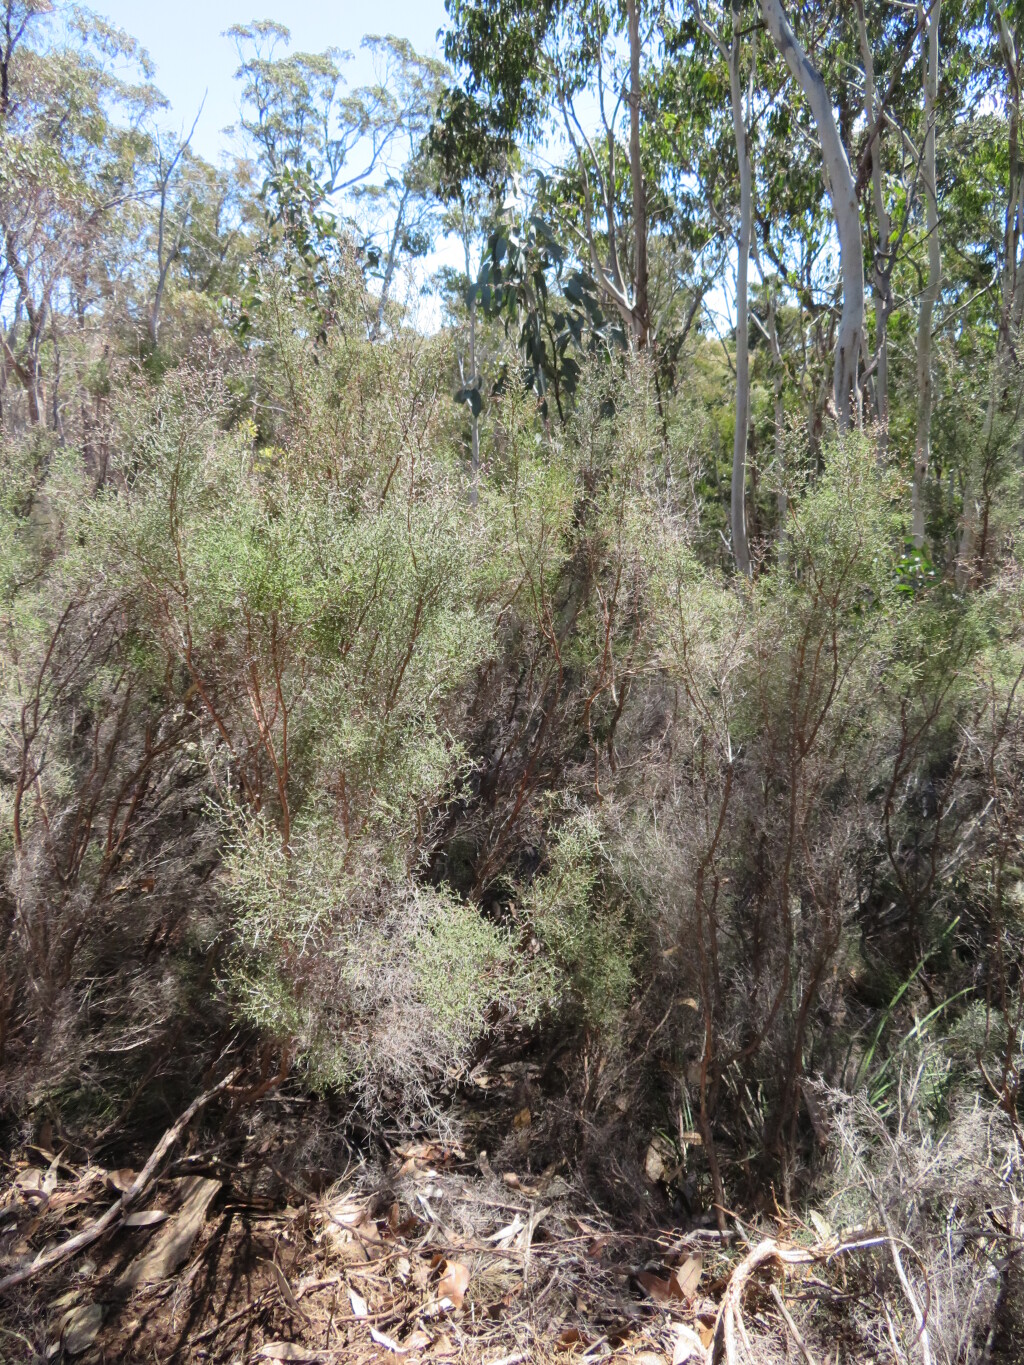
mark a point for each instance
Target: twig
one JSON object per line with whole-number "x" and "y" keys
{"x": 787, "y": 1318}
{"x": 730, "y": 1324}
{"x": 253, "y": 1307}
{"x": 120, "y": 1207}
{"x": 920, "y": 1316}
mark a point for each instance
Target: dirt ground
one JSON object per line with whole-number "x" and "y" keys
{"x": 267, "y": 1236}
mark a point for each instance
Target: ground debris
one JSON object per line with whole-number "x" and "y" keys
{"x": 431, "y": 1257}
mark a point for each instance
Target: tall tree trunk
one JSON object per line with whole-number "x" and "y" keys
{"x": 474, "y": 458}
{"x": 1011, "y": 301}
{"x": 881, "y": 272}
{"x": 641, "y": 306}
{"x": 842, "y": 192}
{"x": 390, "y": 265}
{"x": 740, "y": 546}
{"x": 922, "y": 451}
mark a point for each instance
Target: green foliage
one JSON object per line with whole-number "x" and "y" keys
{"x": 578, "y": 917}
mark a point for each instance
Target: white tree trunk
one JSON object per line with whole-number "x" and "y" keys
{"x": 922, "y": 451}
{"x": 641, "y": 307}
{"x": 842, "y": 193}
{"x": 880, "y": 270}
{"x": 740, "y": 545}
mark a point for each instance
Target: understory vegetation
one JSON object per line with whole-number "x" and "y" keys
{"x": 577, "y": 681}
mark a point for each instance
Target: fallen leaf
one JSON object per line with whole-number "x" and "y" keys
{"x": 347, "y": 1214}
{"x": 522, "y": 1119}
{"x": 821, "y": 1227}
{"x": 654, "y": 1165}
{"x": 145, "y": 1218}
{"x": 359, "y": 1307}
{"x": 663, "y": 1292}
{"x": 80, "y": 1328}
{"x": 284, "y": 1288}
{"x": 688, "y": 1348}
{"x": 511, "y": 1179}
{"x": 120, "y": 1181}
{"x": 707, "y": 1334}
{"x": 417, "y": 1341}
{"x": 454, "y": 1283}
{"x": 686, "y": 1277}
{"x": 572, "y": 1336}
{"x": 170, "y": 1247}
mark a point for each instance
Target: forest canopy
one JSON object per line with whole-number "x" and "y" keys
{"x": 594, "y": 662}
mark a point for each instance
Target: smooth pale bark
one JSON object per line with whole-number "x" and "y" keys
{"x": 782, "y": 496}
{"x": 881, "y": 273}
{"x": 738, "y": 487}
{"x": 972, "y": 548}
{"x": 740, "y": 545}
{"x": 922, "y": 451}
{"x": 842, "y": 193}
{"x": 641, "y": 307}
{"x": 390, "y": 264}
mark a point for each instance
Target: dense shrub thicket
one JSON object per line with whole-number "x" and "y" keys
{"x": 394, "y": 732}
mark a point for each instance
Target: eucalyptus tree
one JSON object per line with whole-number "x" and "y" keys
{"x": 71, "y": 179}
{"x": 731, "y": 54}
{"x": 398, "y": 207}
{"x": 297, "y": 115}
{"x": 930, "y": 293}
{"x": 173, "y": 210}
{"x": 524, "y": 68}
{"x": 842, "y": 194}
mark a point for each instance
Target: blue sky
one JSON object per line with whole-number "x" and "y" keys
{"x": 184, "y": 39}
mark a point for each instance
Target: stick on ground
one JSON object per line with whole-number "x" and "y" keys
{"x": 120, "y": 1207}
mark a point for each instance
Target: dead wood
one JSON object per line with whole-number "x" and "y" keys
{"x": 117, "y": 1210}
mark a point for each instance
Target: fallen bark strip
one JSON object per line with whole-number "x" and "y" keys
{"x": 120, "y": 1207}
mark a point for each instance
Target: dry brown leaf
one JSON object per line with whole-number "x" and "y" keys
{"x": 358, "y": 1303}
{"x": 686, "y": 1277}
{"x": 80, "y": 1328}
{"x": 663, "y": 1292}
{"x": 145, "y": 1218}
{"x": 120, "y": 1181}
{"x": 654, "y": 1165}
{"x": 284, "y": 1288}
{"x": 572, "y": 1336}
{"x": 172, "y": 1244}
{"x": 453, "y": 1283}
{"x": 417, "y": 1341}
{"x": 688, "y": 1348}
{"x": 522, "y": 1119}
